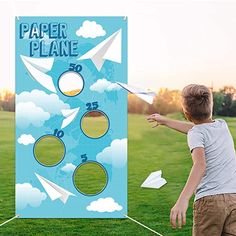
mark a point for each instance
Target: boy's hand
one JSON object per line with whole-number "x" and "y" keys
{"x": 178, "y": 212}
{"x": 157, "y": 118}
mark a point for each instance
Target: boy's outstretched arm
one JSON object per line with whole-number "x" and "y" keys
{"x": 178, "y": 212}
{"x": 181, "y": 126}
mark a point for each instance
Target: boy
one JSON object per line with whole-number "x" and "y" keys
{"x": 213, "y": 174}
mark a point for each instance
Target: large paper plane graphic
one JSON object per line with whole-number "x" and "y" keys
{"x": 37, "y": 67}
{"x": 108, "y": 49}
{"x": 154, "y": 180}
{"x": 53, "y": 190}
{"x": 70, "y": 115}
{"x": 144, "y": 95}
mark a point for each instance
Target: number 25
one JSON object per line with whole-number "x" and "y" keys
{"x": 92, "y": 106}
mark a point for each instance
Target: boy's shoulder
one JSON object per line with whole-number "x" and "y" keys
{"x": 199, "y": 135}
{"x": 218, "y": 123}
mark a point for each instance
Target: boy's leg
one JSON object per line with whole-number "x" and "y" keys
{"x": 209, "y": 216}
{"x": 230, "y": 222}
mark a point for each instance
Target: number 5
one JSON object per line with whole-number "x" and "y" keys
{"x": 95, "y": 105}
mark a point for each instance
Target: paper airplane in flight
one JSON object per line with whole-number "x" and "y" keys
{"x": 144, "y": 95}
{"x": 154, "y": 180}
{"x": 37, "y": 67}
{"x": 108, "y": 49}
{"x": 53, "y": 190}
{"x": 70, "y": 115}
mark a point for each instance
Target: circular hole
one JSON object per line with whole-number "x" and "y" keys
{"x": 90, "y": 178}
{"x": 49, "y": 150}
{"x": 71, "y": 83}
{"x": 95, "y": 124}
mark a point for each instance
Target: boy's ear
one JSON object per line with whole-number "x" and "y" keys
{"x": 187, "y": 115}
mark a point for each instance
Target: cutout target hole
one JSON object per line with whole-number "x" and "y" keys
{"x": 71, "y": 83}
{"x": 90, "y": 178}
{"x": 95, "y": 124}
{"x": 49, "y": 150}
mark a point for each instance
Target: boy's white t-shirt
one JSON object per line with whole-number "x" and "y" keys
{"x": 220, "y": 174}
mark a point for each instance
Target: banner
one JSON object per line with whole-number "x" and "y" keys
{"x": 71, "y": 117}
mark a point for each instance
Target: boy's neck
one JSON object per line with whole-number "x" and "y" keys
{"x": 209, "y": 120}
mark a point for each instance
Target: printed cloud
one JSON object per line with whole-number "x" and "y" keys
{"x": 115, "y": 154}
{"x": 90, "y": 29}
{"x": 68, "y": 167}
{"x": 26, "y": 195}
{"x": 26, "y": 139}
{"x": 102, "y": 85}
{"x": 28, "y": 113}
{"x": 104, "y": 205}
{"x": 48, "y": 102}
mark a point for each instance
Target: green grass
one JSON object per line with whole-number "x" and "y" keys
{"x": 94, "y": 127}
{"x": 49, "y": 150}
{"x": 90, "y": 178}
{"x": 149, "y": 150}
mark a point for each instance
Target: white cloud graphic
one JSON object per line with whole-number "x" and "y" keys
{"x": 27, "y": 113}
{"x": 68, "y": 167}
{"x": 115, "y": 154}
{"x": 90, "y": 29}
{"x": 26, "y": 195}
{"x": 102, "y": 85}
{"x": 48, "y": 102}
{"x": 104, "y": 205}
{"x": 26, "y": 139}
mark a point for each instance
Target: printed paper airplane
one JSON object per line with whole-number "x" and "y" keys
{"x": 37, "y": 67}
{"x": 53, "y": 190}
{"x": 69, "y": 115}
{"x": 154, "y": 180}
{"x": 144, "y": 95}
{"x": 109, "y": 49}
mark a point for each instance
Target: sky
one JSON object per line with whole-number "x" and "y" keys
{"x": 170, "y": 43}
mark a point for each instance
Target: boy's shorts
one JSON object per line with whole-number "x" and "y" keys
{"x": 215, "y": 215}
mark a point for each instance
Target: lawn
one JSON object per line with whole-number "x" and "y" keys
{"x": 149, "y": 150}
{"x": 90, "y": 178}
{"x": 49, "y": 150}
{"x": 94, "y": 127}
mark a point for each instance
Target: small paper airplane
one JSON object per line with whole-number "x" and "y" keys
{"x": 70, "y": 115}
{"x": 108, "y": 49}
{"x": 53, "y": 190}
{"x": 37, "y": 67}
{"x": 144, "y": 95}
{"x": 154, "y": 180}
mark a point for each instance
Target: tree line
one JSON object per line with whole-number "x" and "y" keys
{"x": 225, "y": 101}
{"x": 7, "y": 100}
{"x": 166, "y": 101}
{"x": 169, "y": 101}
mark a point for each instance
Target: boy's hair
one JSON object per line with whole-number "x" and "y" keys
{"x": 197, "y": 101}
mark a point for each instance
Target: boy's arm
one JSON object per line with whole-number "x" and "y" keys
{"x": 195, "y": 176}
{"x": 181, "y": 126}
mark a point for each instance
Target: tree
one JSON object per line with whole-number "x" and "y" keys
{"x": 218, "y": 100}
{"x": 228, "y": 107}
{"x": 7, "y": 100}
{"x": 232, "y": 111}
{"x": 166, "y": 101}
